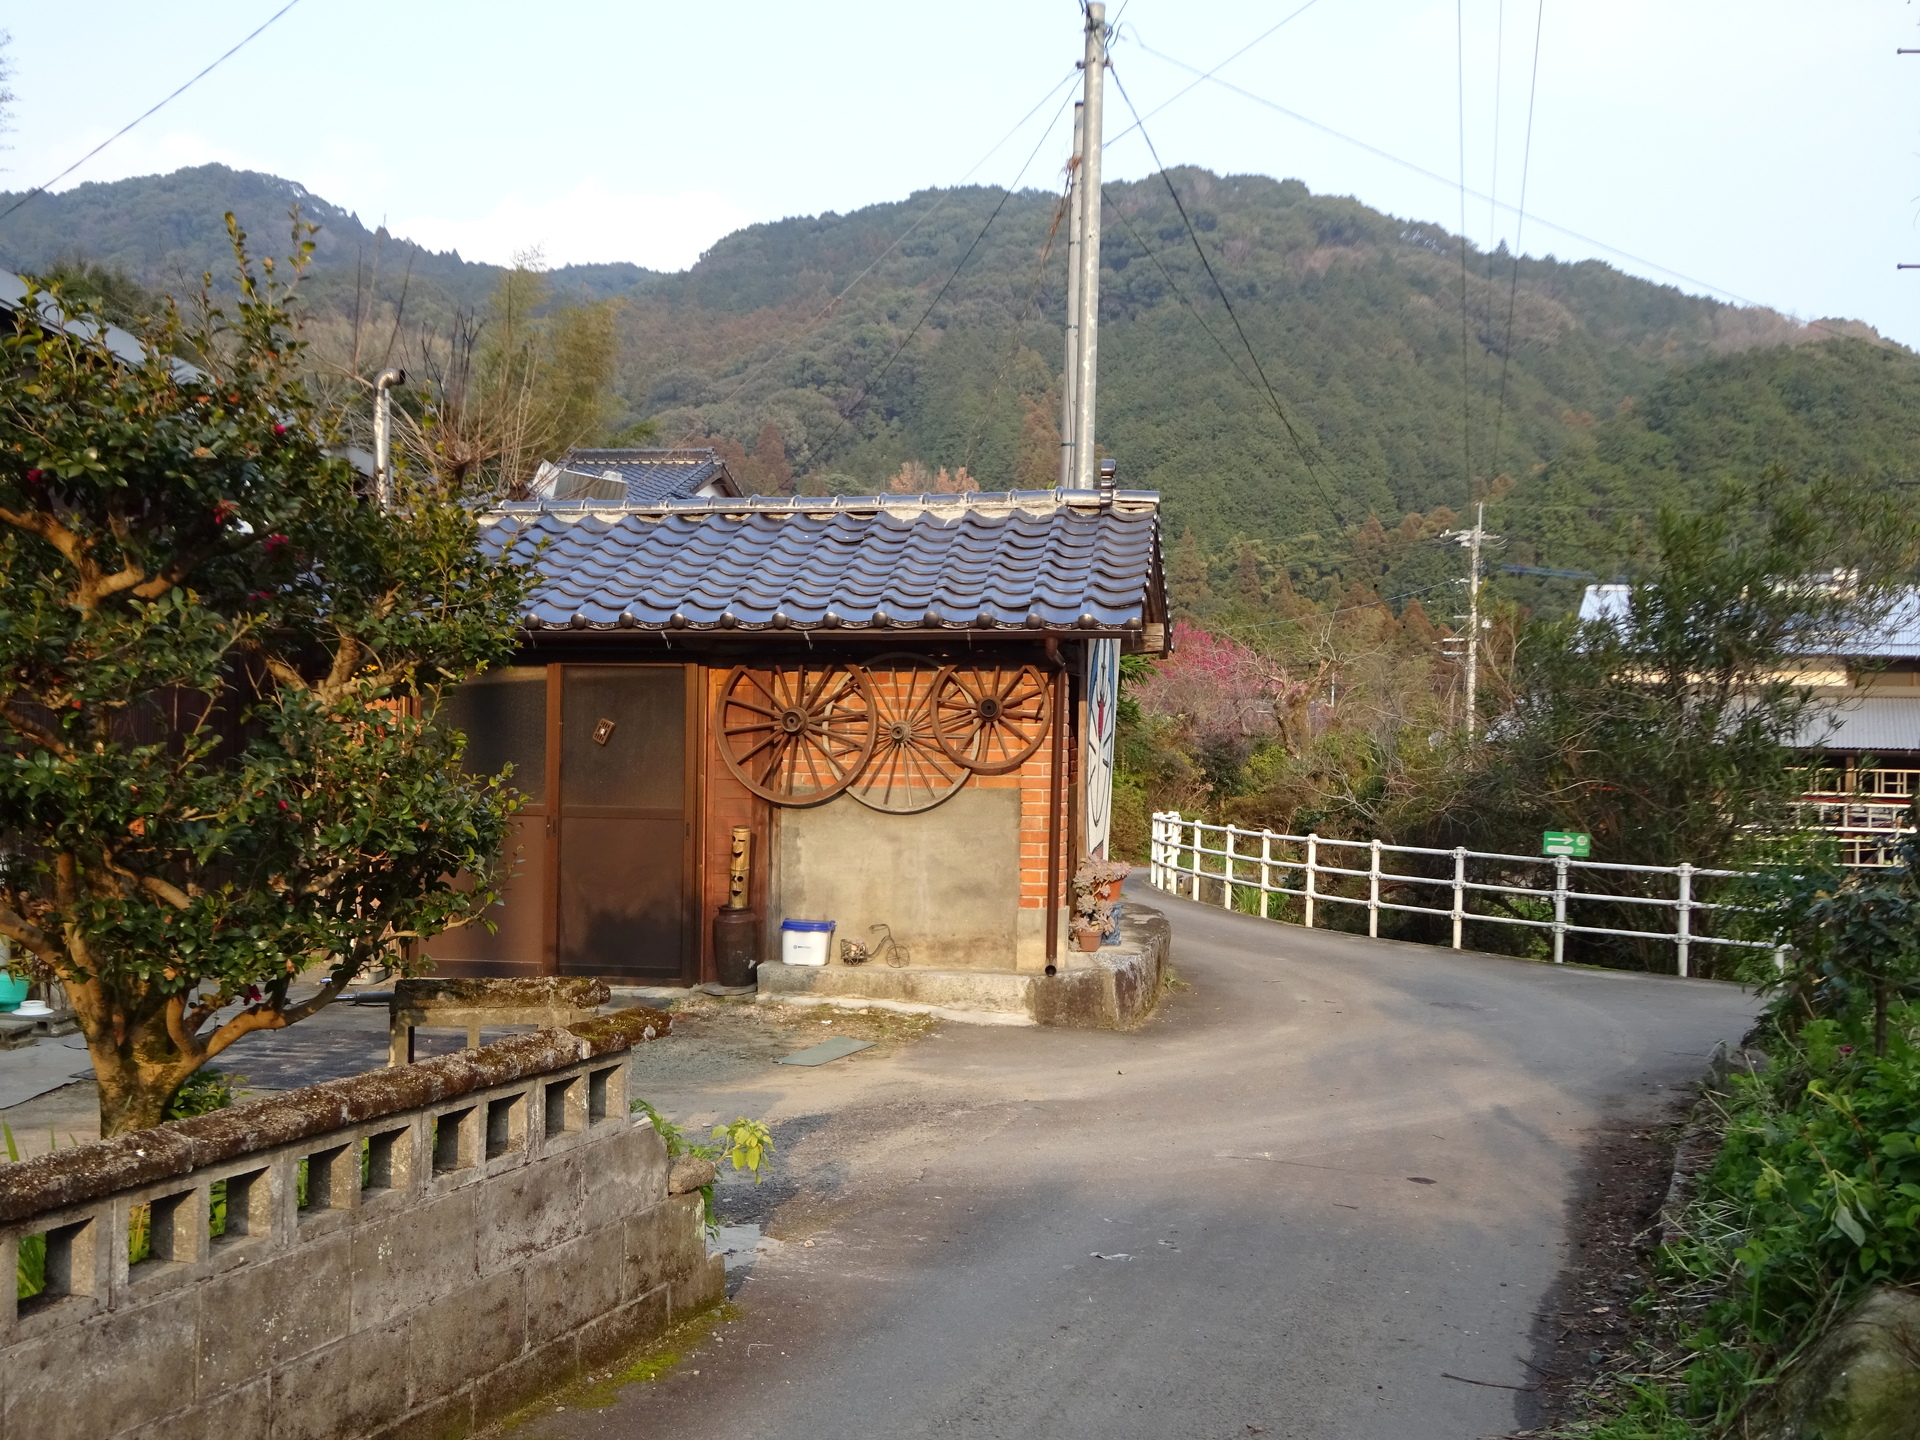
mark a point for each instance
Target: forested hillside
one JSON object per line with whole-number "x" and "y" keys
{"x": 1574, "y": 397}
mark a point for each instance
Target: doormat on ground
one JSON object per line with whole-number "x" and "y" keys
{"x": 826, "y": 1050}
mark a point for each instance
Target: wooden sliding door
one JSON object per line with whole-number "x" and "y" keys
{"x": 624, "y": 822}
{"x": 605, "y": 877}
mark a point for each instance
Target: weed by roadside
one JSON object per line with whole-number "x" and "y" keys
{"x": 1813, "y": 1200}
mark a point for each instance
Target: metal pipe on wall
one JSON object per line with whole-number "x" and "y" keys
{"x": 1056, "y": 802}
{"x": 383, "y": 435}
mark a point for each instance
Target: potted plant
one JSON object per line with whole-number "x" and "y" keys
{"x": 1096, "y": 902}
{"x": 1092, "y": 917}
{"x": 1101, "y": 877}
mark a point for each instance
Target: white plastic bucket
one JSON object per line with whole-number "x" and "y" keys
{"x": 805, "y": 942}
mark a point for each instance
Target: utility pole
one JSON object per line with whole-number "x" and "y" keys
{"x": 1473, "y": 539}
{"x": 1087, "y": 309}
{"x": 1068, "y": 392}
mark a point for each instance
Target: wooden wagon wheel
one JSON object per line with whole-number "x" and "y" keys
{"x": 908, "y": 772}
{"x": 988, "y": 719}
{"x": 796, "y": 734}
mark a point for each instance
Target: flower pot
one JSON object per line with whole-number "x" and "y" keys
{"x": 13, "y": 989}
{"x": 1086, "y": 940}
{"x": 1108, "y": 890}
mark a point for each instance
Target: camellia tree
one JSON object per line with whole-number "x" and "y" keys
{"x": 219, "y": 669}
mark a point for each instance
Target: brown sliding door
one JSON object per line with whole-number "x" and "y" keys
{"x": 605, "y": 882}
{"x": 624, "y": 813}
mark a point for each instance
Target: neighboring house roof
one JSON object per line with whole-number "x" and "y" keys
{"x": 1892, "y": 636}
{"x": 1880, "y": 723}
{"x": 1043, "y": 560}
{"x": 123, "y": 343}
{"x": 633, "y": 477}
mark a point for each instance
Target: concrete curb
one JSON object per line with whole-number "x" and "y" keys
{"x": 1114, "y": 988}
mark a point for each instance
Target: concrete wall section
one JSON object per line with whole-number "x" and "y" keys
{"x": 493, "y": 1246}
{"x": 945, "y": 881}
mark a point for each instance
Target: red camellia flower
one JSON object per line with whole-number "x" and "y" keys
{"x": 33, "y": 477}
{"x": 285, "y": 806}
{"x": 274, "y": 542}
{"x": 279, "y": 429}
{"x": 224, "y": 511}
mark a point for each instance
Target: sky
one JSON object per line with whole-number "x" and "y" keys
{"x": 1764, "y": 150}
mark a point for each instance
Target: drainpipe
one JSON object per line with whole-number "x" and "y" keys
{"x": 1056, "y": 785}
{"x": 383, "y": 435}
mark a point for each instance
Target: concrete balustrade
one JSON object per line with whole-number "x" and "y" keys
{"x": 413, "y": 1251}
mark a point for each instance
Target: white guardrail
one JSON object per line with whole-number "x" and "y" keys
{"x": 1247, "y": 861}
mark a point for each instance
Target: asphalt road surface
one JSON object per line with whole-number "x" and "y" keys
{"x": 1322, "y": 1195}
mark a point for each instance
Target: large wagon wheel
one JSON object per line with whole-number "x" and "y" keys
{"x": 988, "y": 719}
{"x": 796, "y": 734}
{"x": 908, "y": 772}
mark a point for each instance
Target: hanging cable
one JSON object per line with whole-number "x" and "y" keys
{"x": 1466, "y": 371}
{"x": 42, "y": 189}
{"x": 1220, "y": 290}
{"x": 1006, "y": 194}
{"x": 1493, "y": 213}
{"x": 1422, "y": 171}
{"x": 1181, "y": 94}
{"x": 1019, "y": 330}
{"x": 812, "y": 324}
{"x": 1519, "y": 227}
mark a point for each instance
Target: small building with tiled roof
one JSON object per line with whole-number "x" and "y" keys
{"x": 901, "y": 708}
{"x": 633, "y": 477}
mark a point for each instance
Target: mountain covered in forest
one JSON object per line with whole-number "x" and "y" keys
{"x": 1316, "y": 387}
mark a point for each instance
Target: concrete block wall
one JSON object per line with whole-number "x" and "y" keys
{"x": 476, "y": 1230}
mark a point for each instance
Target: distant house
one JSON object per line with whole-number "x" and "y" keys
{"x": 1865, "y": 725}
{"x": 633, "y": 477}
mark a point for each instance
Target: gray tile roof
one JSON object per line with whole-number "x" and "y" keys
{"x": 633, "y": 477}
{"x": 1027, "y": 560}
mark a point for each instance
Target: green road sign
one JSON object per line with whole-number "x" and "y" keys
{"x": 1566, "y": 842}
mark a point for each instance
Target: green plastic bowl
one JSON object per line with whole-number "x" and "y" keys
{"x": 13, "y": 989}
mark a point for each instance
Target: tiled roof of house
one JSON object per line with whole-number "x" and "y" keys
{"x": 633, "y": 477}
{"x": 1026, "y": 560}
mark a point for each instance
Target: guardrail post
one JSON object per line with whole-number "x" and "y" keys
{"x": 1684, "y": 930}
{"x": 1373, "y": 889}
{"x": 1559, "y": 909}
{"x": 1458, "y": 912}
{"x": 1313, "y": 850}
{"x": 1154, "y": 872}
{"x": 1266, "y": 869}
{"x": 1199, "y": 843}
{"x": 1226, "y": 866}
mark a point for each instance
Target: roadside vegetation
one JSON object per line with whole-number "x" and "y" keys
{"x": 1667, "y": 732}
{"x": 219, "y": 762}
{"x": 1813, "y": 1202}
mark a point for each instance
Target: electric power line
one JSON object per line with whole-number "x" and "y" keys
{"x": 1466, "y": 370}
{"x": 1344, "y": 610}
{"x": 1006, "y": 194}
{"x": 1272, "y": 397}
{"x": 1519, "y": 227}
{"x": 812, "y": 324}
{"x": 42, "y": 189}
{"x": 1295, "y": 15}
{"x": 1422, "y": 171}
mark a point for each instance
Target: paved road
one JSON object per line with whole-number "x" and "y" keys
{"x": 1330, "y": 1175}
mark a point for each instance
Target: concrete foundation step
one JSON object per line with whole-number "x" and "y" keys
{"x": 1115, "y": 987}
